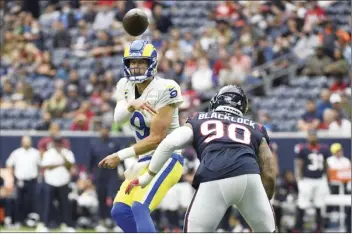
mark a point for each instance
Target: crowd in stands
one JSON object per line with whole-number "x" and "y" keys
{"x": 65, "y": 60}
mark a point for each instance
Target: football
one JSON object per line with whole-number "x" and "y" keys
{"x": 135, "y": 22}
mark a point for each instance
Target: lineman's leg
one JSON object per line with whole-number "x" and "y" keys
{"x": 148, "y": 198}
{"x": 206, "y": 209}
{"x": 121, "y": 212}
{"x": 255, "y": 206}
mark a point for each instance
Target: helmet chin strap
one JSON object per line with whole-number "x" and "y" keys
{"x": 229, "y": 109}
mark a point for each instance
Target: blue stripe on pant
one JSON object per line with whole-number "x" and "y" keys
{"x": 175, "y": 158}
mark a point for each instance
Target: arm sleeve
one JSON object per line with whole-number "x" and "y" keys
{"x": 179, "y": 138}
{"x": 121, "y": 114}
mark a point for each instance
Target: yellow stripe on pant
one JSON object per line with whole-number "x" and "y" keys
{"x": 155, "y": 192}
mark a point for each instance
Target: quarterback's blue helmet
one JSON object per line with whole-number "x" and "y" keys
{"x": 140, "y": 49}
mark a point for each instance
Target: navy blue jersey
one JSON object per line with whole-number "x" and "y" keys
{"x": 314, "y": 158}
{"x": 226, "y": 146}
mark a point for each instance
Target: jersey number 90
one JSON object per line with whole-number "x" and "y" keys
{"x": 215, "y": 129}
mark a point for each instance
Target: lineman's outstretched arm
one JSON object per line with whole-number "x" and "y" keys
{"x": 178, "y": 139}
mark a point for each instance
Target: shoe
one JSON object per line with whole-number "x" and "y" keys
{"x": 100, "y": 228}
{"x": 70, "y": 229}
{"x": 41, "y": 228}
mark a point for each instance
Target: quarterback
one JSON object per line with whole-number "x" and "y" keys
{"x": 150, "y": 105}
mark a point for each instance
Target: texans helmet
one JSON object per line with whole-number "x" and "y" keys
{"x": 140, "y": 49}
{"x": 230, "y": 99}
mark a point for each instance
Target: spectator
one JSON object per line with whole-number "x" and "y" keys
{"x": 46, "y": 143}
{"x": 104, "y": 18}
{"x": 346, "y": 104}
{"x": 221, "y": 62}
{"x": 80, "y": 123}
{"x": 162, "y": 22}
{"x": 327, "y": 38}
{"x": 329, "y": 116}
{"x": 50, "y": 15}
{"x": 338, "y": 85}
{"x": 24, "y": 164}
{"x": 56, "y": 104}
{"x": 316, "y": 63}
{"x": 310, "y": 119}
{"x": 340, "y": 125}
{"x": 44, "y": 124}
{"x": 339, "y": 67}
{"x": 304, "y": 47}
{"x": 73, "y": 101}
{"x": 336, "y": 101}
{"x": 265, "y": 119}
{"x": 43, "y": 65}
{"x": 61, "y": 38}
{"x": 57, "y": 163}
{"x": 240, "y": 64}
{"x": 105, "y": 180}
{"x": 157, "y": 41}
{"x": 67, "y": 16}
{"x": 89, "y": 12}
{"x": 324, "y": 102}
{"x": 202, "y": 77}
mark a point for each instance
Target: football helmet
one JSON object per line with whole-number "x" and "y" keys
{"x": 230, "y": 99}
{"x": 140, "y": 49}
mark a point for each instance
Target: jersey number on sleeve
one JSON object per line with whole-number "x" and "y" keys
{"x": 142, "y": 127}
{"x": 215, "y": 129}
{"x": 316, "y": 162}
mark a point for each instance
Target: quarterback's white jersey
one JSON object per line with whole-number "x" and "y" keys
{"x": 159, "y": 93}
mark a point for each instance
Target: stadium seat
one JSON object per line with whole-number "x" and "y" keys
{"x": 13, "y": 113}
{"x": 29, "y": 113}
{"x": 6, "y": 124}
{"x": 86, "y": 63}
{"x": 22, "y": 124}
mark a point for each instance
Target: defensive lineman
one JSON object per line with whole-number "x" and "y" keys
{"x": 150, "y": 104}
{"x": 236, "y": 164}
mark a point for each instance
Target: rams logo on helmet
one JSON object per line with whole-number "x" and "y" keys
{"x": 140, "y": 49}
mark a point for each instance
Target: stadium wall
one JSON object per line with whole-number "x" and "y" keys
{"x": 80, "y": 141}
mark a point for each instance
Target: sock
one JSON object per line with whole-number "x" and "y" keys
{"x": 123, "y": 217}
{"x": 141, "y": 213}
{"x": 299, "y": 219}
{"x": 318, "y": 218}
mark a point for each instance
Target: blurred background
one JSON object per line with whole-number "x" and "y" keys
{"x": 60, "y": 61}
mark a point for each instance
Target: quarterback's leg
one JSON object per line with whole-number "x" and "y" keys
{"x": 121, "y": 212}
{"x": 148, "y": 198}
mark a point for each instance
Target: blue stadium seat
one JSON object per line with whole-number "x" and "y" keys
{"x": 6, "y": 124}
{"x": 30, "y": 113}
{"x": 87, "y": 63}
{"x": 14, "y": 113}
{"x": 22, "y": 124}
{"x": 2, "y": 113}
{"x": 106, "y": 61}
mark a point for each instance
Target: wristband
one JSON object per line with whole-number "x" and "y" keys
{"x": 126, "y": 153}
